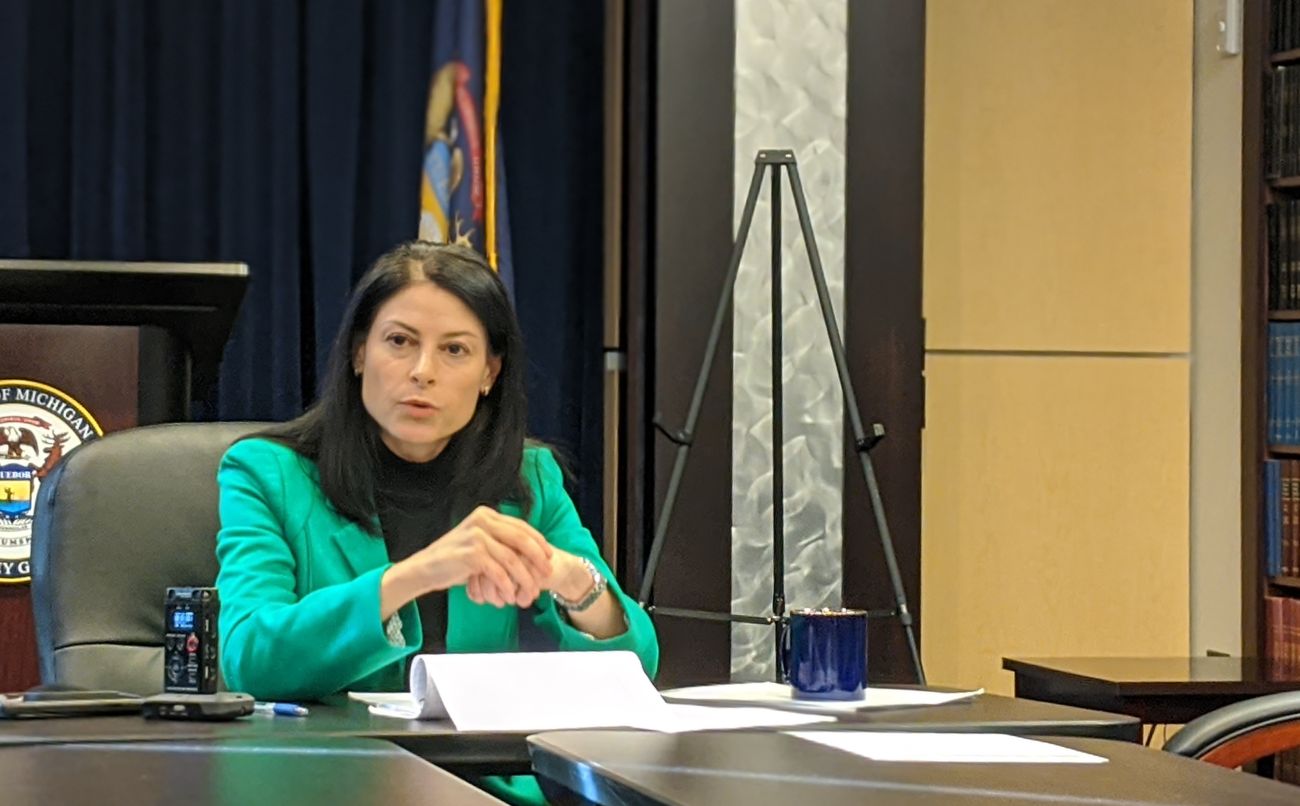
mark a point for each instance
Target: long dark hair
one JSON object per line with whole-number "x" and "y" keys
{"x": 344, "y": 441}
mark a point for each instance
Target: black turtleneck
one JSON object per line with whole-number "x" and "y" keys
{"x": 414, "y": 510}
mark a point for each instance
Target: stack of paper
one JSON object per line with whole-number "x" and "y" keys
{"x": 775, "y": 695}
{"x": 532, "y": 691}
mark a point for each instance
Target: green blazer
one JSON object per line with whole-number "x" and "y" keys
{"x": 300, "y": 584}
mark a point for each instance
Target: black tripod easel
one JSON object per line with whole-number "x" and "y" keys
{"x": 774, "y": 159}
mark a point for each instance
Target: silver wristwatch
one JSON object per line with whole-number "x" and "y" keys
{"x": 597, "y": 588}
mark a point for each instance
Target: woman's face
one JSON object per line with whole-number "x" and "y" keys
{"x": 424, "y": 365}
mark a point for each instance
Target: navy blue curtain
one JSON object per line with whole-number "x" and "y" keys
{"x": 552, "y": 115}
{"x": 287, "y": 135}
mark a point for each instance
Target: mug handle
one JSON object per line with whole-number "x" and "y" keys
{"x": 784, "y": 627}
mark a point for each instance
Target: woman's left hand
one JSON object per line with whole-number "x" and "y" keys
{"x": 569, "y": 578}
{"x": 603, "y": 618}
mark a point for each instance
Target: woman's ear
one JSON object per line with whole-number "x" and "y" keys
{"x": 359, "y": 359}
{"x": 491, "y": 373}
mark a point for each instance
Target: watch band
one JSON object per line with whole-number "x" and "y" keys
{"x": 599, "y": 583}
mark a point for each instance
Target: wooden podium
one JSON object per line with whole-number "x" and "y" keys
{"x": 90, "y": 348}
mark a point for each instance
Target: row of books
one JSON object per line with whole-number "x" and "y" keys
{"x": 1282, "y": 122}
{"x": 1284, "y": 383}
{"x": 1286, "y": 767}
{"x": 1282, "y": 631}
{"x": 1282, "y": 478}
{"x": 1284, "y": 255}
{"x": 1282, "y": 649}
{"x": 1284, "y": 33}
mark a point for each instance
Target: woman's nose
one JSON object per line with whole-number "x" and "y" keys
{"x": 422, "y": 372}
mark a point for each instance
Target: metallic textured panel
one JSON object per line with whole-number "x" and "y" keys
{"x": 791, "y": 68}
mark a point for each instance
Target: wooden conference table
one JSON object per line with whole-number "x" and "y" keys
{"x": 291, "y": 772}
{"x": 507, "y": 753}
{"x": 623, "y": 768}
{"x": 1158, "y": 691}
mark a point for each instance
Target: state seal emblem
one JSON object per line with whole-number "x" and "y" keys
{"x": 38, "y": 426}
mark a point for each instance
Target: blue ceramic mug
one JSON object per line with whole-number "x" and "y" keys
{"x": 826, "y": 654}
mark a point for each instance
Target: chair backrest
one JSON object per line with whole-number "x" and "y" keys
{"x": 117, "y": 522}
{"x": 1242, "y": 732}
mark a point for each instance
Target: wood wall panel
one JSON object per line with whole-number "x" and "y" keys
{"x": 1058, "y": 175}
{"x": 1055, "y": 511}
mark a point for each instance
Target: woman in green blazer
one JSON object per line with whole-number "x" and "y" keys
{"x": 404, "y": 513}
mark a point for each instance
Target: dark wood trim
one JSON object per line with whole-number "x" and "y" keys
{"x": 1254, "y": 302}
{"x": 612, "y": 276}
{"x": 884, "y": 332}
{"x": 635, "y": 458}
{"x": 694, "y": 131}
{"x": 1290, "y": 583}
{"x": 1285, "y": 56}
{"x": 18, "y": 665}
{"x": 1284, "y": 316}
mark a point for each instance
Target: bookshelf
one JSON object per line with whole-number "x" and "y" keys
{"x": 1289, "y": 583}
{"x": 1271, "y": 330}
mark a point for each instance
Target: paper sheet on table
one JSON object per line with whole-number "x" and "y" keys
{"x": 967, "y": 748}
{"x": 777, "y": 695}
{"x": 529, "y": 691}
{"x": 402, "y": 699}
{"x": 685, "y": 718}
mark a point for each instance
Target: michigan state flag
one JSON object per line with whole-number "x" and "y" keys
{"x": 462, "y": 186}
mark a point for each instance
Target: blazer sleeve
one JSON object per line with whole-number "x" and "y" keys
{"x": 557, "y": 519}
{"x": 275, "y": 644}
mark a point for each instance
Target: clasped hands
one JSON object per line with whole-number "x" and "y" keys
{"x": 501, "y": 560}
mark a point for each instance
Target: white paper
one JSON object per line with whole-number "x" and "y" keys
{"x": 531, "y": 691}
{"x": 777, "y": 695}
{"x": 395, "y": 698}
{"x": 967, "y": 748}
{"x": 525, "y": 691}
{"x": 685, "y": 718}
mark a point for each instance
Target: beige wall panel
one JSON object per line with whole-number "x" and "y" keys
{"x": 1058, "y": 174}
{"x": 1055, "y": 511}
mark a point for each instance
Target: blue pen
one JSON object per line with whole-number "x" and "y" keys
{"x": 279, "y": 708}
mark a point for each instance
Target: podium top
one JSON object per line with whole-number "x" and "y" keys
{"x": 196, "y": 302}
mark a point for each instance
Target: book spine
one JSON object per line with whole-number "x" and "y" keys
{"x": 1288, "y": 513}
{"x": 1273, "y": 629}
{"x": 1288, "y": 384}
{"x": 1271, "y": 530}
{"x": 1276, "y": 515}
{"x": 1272, "y": 384}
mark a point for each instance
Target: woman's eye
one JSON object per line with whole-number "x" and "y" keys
{"x": 399, "y": 339}
{"x": 456, "y": 349}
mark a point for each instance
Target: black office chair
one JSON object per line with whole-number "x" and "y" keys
{"x": 1243, "y": 732}
{"x": 117, "y": 522}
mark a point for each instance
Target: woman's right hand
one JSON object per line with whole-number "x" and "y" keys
{"x": 505, "y": 551}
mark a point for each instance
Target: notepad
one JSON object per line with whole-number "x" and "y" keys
{"x": 777, "y": 695}
{"x": 951, "y": 748}
{"x": 532, "y": 691}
